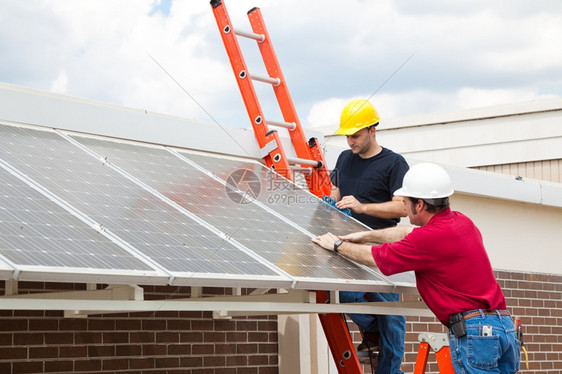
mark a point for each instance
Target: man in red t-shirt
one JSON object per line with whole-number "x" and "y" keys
{"x": 453, "y": 272}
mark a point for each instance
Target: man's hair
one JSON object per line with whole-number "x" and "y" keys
{"x": 433, "y": 205}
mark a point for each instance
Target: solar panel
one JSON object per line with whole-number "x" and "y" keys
{"x": 181, "y": 246}
{"x": 281, "y": 195}
{"x": 269, "y": 235}
{"x": 39, "y": 236}
{"x": 195, "y": 218}
{"x": 288, "y": 200}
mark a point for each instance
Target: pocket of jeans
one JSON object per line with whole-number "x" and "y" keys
{"x": 483, "y": 351}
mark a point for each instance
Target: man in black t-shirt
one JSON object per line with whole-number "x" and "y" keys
{"x": 364, "y": 179}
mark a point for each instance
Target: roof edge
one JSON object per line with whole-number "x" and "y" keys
{"x": 471, "y": 114}
{"x": 41, "y": 108}
{"x": 505, "y": 187}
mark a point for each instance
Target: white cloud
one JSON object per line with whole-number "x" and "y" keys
{"x": 59, "y": 85}
{"x": 326, "y": 113}
{"x": 465, "y": 54}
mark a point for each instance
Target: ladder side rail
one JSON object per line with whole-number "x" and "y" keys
{"x": 444, "y": 362}
{"x": 275, "y": 156}
{"x": 274, "y": 71}
{"x": 442, "y": 355}
{"x": 317, "y": 182}
{"x": 421, "y": 360}
{"x": 339, "y": 340}
{"x": 321, "y": 182}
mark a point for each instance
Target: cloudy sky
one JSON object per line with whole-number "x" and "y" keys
{"x": 408, "y": 56}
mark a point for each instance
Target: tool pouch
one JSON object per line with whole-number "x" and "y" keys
{"x": 457, "y": 325}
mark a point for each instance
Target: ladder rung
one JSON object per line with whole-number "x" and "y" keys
{"x": 274, "y": 81}
{"x": 303, "y": 161}
{"x": 288, "y": 125}
{"x": 297, "y": 169}
{"x": 250, "y": 35}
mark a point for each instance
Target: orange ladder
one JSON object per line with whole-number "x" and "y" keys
{"x": 309, "y": 154}
{"x": 310, "y": 160}
{"x": 339, "y": 339}
{"x": 440, "y": 344}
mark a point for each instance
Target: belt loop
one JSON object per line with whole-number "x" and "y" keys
{"x": 501, "y": 319}
{"x": 498, "y": 313}
{"x": 481, "y": 313}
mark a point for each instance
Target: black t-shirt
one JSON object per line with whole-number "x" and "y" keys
{"x": 371, "y": 180}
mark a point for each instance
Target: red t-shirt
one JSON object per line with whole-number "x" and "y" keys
{"x": 453, "y": 271}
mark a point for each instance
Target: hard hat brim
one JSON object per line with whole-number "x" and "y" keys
{"x": 404, "y": 192}
{"x": 401, "y": 192}
{"x": 351, "y": 131}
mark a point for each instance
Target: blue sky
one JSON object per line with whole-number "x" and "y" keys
{"x": 162, "y": 6}
{"x": 409, "y": 58}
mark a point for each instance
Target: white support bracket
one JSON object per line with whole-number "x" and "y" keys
{"x": 434, "y": 339}
{"x": 110, "y": 293}
{"x": 196, "y": 292}
{"x": 284, "y": 297}
{"x": 129, "y": 299}
{"x": 11, "y": 287}
{"x": 268, "y": 148}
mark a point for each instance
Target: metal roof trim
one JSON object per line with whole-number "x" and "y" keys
{"x": 487, "y": 184}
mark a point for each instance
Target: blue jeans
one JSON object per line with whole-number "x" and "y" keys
{"x": 391, "y": 328}
{"x": 475, "y": 353}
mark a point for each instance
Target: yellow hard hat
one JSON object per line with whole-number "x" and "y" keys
{"x": 357, "y": 115}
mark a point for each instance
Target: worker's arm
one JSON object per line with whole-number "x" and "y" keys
{"x": 387, "y": 235}
{"x": 389, "y": 209}
{"x": 358, "y": 252}
{"x": 335, "y": 193}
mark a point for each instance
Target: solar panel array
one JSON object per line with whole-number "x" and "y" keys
{"x": 82, "y": 208}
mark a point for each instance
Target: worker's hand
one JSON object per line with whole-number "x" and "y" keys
{"x": 326, "y": 241}
{"x": 350, "y": 202}
{"x": 356, "y": 237}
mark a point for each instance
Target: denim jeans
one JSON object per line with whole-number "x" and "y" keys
{"x": 475, "y": 353}
{"x": 391, "y": 328}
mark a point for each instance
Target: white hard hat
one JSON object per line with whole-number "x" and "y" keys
{"x": 426, "y": 181}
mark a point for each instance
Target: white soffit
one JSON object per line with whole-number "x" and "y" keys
{"x": 35, "y": 107}
{"x": 487, "y": 184}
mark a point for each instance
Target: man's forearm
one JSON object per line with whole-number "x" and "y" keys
{"x": 387, "y": 235}
{"x": 390, "y": 234}
{"x": 389, "y": 209}
{"x": 357, "y": 252}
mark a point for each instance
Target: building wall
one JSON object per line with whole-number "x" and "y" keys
{"x": 195, "y": 343}
{"x": 495, "y": 135}
{"x": 547, "y": 170}
{"x": 153, "y": 342}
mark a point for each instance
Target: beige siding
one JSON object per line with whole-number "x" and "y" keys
{"x": 550, "y": 170}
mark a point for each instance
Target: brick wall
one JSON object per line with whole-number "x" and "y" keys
{"x": 147, "y": 342}
{"x": 535, "y": 298}
{"x": 194, "y": 343}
